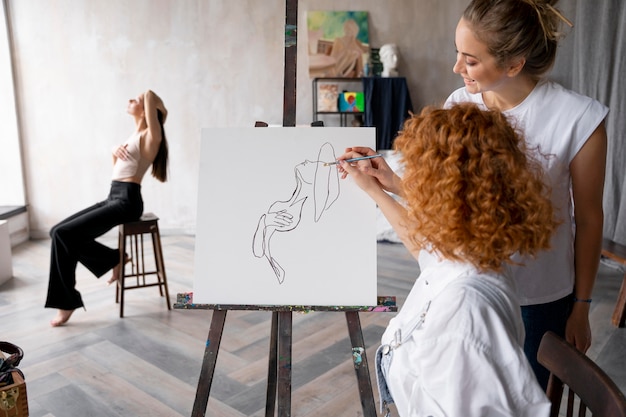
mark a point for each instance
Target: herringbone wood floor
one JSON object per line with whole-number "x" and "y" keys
{"x": 148, "y": 363}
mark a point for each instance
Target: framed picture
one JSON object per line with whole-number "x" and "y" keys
{"x": 338, "y": 43}
{"x": 352, "y": 101}
{"x": 327, "y": 97}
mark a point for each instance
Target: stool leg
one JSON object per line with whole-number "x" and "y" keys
{"x": 119, "y": 288}
{"x": 140, "y": 276}
{"x": 158, "y": 253}
{"x": 158, "y": 256}
{"x": 120, "y": 245}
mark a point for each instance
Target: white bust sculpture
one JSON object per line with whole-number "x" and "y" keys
{"x": 389, "y": 58}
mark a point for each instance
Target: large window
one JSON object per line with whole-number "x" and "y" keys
{"x": 11, "y": 172}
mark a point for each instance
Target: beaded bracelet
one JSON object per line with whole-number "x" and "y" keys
{"x": 587, "y": 300}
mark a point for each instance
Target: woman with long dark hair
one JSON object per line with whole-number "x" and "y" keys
{"x": 74, "y": 239}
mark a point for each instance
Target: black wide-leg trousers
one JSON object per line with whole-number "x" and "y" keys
{"x": 74, "y": 240}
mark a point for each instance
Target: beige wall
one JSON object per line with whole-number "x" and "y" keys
{"x": 214, "y": 62}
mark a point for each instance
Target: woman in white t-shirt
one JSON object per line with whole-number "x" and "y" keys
{"x": 473, "y": 196}
{"x": 504, "y": 49}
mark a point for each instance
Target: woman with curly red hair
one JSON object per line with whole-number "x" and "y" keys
{"x": 473, "y": 197}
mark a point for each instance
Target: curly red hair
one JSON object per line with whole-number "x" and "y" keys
{"x": 473, "y": 191}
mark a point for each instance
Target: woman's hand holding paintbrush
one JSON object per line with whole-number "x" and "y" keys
{"x": 373, "y": 165}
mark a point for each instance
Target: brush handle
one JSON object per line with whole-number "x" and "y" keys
{"x": 360, "y": 158}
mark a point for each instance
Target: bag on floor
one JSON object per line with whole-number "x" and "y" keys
{"x": 9, "y": 364}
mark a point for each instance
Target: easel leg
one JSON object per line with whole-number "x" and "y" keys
{"x": 270, "y": 402}
{"x": 284, "y": 363}
{"x": 279, "y": 372}
{"x": 360, "y": 364}
{"x": 208, "y": 363}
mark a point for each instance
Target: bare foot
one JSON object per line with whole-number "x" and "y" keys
{"x": 117, "y": 271}
{"x": 62, "y": 317}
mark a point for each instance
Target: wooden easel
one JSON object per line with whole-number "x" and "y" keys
{"x": 279, "y": 370}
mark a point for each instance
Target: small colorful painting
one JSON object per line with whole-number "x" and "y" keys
{"x": 338, "y": 43}
{"x": 352, "y": 101}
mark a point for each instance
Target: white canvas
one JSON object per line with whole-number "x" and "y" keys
{"x": 277, "y": 227}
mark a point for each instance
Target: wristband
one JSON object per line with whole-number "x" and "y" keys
{"x": 587, "y": 300}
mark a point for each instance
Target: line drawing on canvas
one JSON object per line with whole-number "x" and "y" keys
{"x": 314, "y": 182}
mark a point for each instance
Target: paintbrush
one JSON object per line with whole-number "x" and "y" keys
{"x": 360, "y": 158}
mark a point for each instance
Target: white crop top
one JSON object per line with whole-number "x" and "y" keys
{"x": 135, "y": 165}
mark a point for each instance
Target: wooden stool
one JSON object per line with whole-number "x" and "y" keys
{"x": 617, "y": 252}
{"x": 134, "y": 233}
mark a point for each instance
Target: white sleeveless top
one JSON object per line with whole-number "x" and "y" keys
{"x": 135, "y": 165}
{"x": 558, "y": 122}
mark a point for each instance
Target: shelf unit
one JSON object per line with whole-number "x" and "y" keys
{"x": 343, "y": 115}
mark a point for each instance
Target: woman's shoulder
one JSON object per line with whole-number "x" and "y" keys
{"x": 555, "y": 95}
{"x": 482, "y": 303}
{"x": 481, "y": 290}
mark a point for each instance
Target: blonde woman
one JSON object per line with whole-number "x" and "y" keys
{"x": 505, "y": 48}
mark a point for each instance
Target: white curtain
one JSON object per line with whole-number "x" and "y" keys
{"x": 592, "y": 61}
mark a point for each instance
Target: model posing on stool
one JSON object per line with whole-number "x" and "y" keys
{"x": 74, "y": 239}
